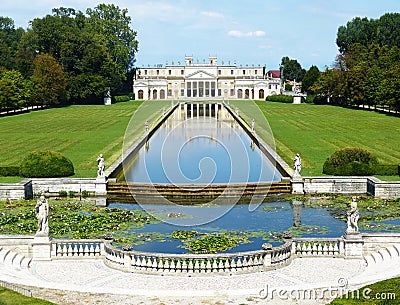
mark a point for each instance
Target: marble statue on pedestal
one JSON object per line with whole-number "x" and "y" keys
{"x": 352, "y": 217}
{"x": 100, "y": 166}
{"x": 42, "y": 216}
{"x": 297, "y": 165}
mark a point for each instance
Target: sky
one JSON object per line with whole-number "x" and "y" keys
{"x": 245, "y": 31}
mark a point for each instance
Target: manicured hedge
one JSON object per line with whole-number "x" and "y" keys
{"x": 46, "y": 164}
{"x": 9, "y": 171}
{"x": 121, "y": 98}
{"x": 280, "y": 98}
{"x": 350, "y": 162}
{"x": 387, "y": 170}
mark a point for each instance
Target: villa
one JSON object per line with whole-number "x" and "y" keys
{"x": 206, "y": 80}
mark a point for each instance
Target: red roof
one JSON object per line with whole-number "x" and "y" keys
{"x": 274, "y": 73}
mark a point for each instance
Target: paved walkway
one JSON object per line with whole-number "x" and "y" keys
{"x": 91, "y": 282}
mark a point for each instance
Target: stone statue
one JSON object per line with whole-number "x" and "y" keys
{"x": 297, "y": 165}
{"x": 252, "y": 124}
{"x": 352, "y": 217}
{"x": 100, "y": 166}
{"x": 42, "y": 216}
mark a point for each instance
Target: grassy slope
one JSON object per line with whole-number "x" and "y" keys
{"x": 79, "y": 132}
{"x": 9, "y": 297}
{"x": 316, "y": 131}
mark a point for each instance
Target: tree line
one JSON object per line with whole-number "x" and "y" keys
{"x": 66, "y": 57}
{"x": 367, "y": 69}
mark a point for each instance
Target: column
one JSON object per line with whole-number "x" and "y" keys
{"x": 198, "y": 109}
{"x": 209, "y": 109}
{"x": 185, "y": 111}
{"x": 204, "y": 110}
{"x": 191, "y": 110}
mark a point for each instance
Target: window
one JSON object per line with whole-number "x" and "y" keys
{"x": 231, "y": 72}
{"x": 145, "y": 72}
{"x": 182, "y": 92}
{"x": 244, "y": 72}
{"x": 219, "y": 72}
{"x": 182, "y": 72}
{"x": 158, "y": 72}
{"x": 169, "y": 72}
{"x": 255, "y": 72}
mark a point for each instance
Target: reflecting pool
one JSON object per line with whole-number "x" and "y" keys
{"x": 200, "y": 146}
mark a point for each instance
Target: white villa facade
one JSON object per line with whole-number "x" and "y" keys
{"x": 206, "y": 80}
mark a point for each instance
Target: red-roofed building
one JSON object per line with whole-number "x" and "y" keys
{"x": 274, "y": 74}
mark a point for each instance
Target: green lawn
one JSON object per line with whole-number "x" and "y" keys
{"x": 385, "y": 292}
{"x": 316, "y": 131}
{"x": 79, "y": 132}
{"x": 82, "y": 132}
{"x": 9, "y": 297}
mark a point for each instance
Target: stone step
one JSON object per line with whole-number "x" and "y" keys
{"x": 3, "y": 255}
{"x": 25, "y": 263}
{"x": 377, "y": 257}
{"x": 16, "y": 263}
{"x": 384, "y": 252}
{"x": 9, "y": 258}
{"x": 394, "y": 253}
{"x": 369, "y": 260}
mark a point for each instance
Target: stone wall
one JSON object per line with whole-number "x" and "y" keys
{"x": 21, "y": 190}
{"x": 55, "y": 185}
{"x": 378, "y": 240}
{"x": 17, "y": 243}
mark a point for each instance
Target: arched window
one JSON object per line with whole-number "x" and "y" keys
{"x": 246, "y": 94}
{"x": 261, "y": 94}
{"x": 140, "y": 94}
{"x": 162, "y": 94}
{"x": 240, "y": 93}
{"x": 154, "y": 94}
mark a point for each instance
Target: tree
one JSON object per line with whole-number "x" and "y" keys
{"x": 292, "y": 69}
{"x": 9, "y": 39}
{"x": 114, "y": 24}
{"x": 15, "y": 91}
{"x": 49, "y": 81}
{"x": 310, "y": 78}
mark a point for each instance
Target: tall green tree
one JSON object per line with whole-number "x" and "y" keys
{"x": 9, "y": 40}
{"x": 310, "y": 78}
{"x": 15, "y": 90}
{"x": 292, "y": 69}
{"x": 49, "y": 81}
{"x": 115, "y": 25}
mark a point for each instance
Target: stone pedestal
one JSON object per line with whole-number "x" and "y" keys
{"x": 41, "y": 247}
{"x": 297, "y": 185}
{"x": 353, "y": 245}
{"x": 101, "y": 186}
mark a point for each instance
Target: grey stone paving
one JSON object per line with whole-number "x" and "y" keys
{"x": 91, "y": 282}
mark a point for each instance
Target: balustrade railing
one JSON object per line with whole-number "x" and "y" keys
{"x": 327, "y": 247}
{"x": 240, "y": 262}
{"x": 77, "y": 248}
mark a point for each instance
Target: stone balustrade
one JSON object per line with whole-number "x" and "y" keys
{"x": 326, "y": 247}
{"x": 241, "y": 262}
{"x": 77, "y": 248}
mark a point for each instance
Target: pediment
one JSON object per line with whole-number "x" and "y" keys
{"x": 200, "y": 74}
{"x": 140, "y": 84}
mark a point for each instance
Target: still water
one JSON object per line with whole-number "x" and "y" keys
{"x": 262, "y": 224}
{"x": 200, "y": 149}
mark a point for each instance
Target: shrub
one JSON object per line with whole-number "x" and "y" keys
{"x": 387, "y": 170}
{"x": 280, "y": 98}
{"x": 62, "y": 193}
{"x": 350, "y": 162}
{"x": 85, "y": 194}
{"x": 121, "y": 98}
{"x": 46, "y": 164}
{"x": 9, "y": 171}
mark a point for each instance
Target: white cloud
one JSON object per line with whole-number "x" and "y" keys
{"x": 236, "y": 33}
{"x": 212, "y": 14}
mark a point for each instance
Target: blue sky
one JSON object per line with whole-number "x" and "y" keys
{"x": 248, "y": 31}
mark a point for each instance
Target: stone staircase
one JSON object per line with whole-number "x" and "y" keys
{"x": 383, "y": 255}
{"x": 14, "y": 260}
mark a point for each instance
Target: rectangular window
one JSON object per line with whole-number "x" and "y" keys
{"x": 158, "y": 72}
{"x": 182, "y": 72}
{"x": 182, "y": 92}
{"x": 231, "y": 72}
{"x": 189, "y": 90}
{"x": 232, "y": 92}
{"x": 219, "y": 72}
{"x": 255, "y": 72}
{"x": 219, "y": 92}
{"x": 244, "y": 72}
{"x": 145, "y": 72}
{"x": 169, "y": 72}
{"x": 169, "y": 92}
